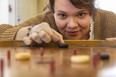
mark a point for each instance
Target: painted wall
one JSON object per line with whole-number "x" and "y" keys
{"x": 4, "y": 11}
{"x": 41, "y": 5}
{"x": 26, "y": 10}
{"x": 20, "y": 10}
{"x": 106, "y": 5}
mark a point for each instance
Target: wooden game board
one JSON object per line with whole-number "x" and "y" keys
{"x": 63, "y": 67}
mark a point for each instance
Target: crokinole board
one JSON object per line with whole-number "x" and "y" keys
{"x": 39, "y": 66}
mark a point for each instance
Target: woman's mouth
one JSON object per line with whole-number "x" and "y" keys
{"x": 72, "y": 33}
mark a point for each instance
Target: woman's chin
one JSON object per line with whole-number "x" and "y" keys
{"x": 73, "y": 38}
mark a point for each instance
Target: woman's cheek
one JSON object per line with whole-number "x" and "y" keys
{"x": 60, "y": 24}
{"x": 85, "y": 23}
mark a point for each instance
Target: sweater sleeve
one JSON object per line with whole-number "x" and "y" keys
{"x": 4, "y": 27}
{"x": 105, "y": 24}
{"x": 109, "y": 26}
{"x": 9, "y": 34}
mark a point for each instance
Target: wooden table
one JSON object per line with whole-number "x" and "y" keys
{"x": 63, "y": 66}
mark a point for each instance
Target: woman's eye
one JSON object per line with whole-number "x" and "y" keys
{"x": 62, "y": 16}
{"x": 81, "y": 15}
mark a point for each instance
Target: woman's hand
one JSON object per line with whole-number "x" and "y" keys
{"x": 43, "y": 33}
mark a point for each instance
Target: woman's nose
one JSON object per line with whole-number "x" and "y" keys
{"x": 72, "y": 23}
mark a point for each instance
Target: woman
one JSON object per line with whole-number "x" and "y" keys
{"x": 68, "y": 19}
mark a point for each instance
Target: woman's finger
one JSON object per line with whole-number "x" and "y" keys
{"x": 44, "y": 36}
{"x": 59, "y": 37}
{"x": 27, "y": 40}
{"x": 36, "y": 37}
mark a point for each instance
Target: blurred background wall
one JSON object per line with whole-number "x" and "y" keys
{"x": 16, "y": 11}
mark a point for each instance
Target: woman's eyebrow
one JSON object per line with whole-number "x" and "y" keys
{"x": 80, "y": 11}
{"x": 60, "y": 11}
{"x": 83, "y": 10}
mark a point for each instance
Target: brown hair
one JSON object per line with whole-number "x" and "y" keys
{"x": 89, "y": 4}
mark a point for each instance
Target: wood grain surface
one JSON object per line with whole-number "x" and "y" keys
{"x": 39, "y": 66}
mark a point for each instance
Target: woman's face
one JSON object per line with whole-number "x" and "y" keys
{"x": 72, "y": 22}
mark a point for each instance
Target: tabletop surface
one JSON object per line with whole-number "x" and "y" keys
{"x": 63, "y": 66}
{"x": 39, "y": 66}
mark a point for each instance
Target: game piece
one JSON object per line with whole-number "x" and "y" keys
{"x": 80, "y": 59}
{"x": 1, "y": 64}
{"x": 75, "y": 52}
{"x": 1, "y": 67}
{"x": 104, "y": 56}
{"x": 63, "y": 45}
{"x": 94, "y": 61}
{"x": 41, "y": 52}
{"x": 98, "y": 54}
{"x": 22, "y": 56}
{"x": 8, "y": 55}
{"x": 52, "y": 66}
